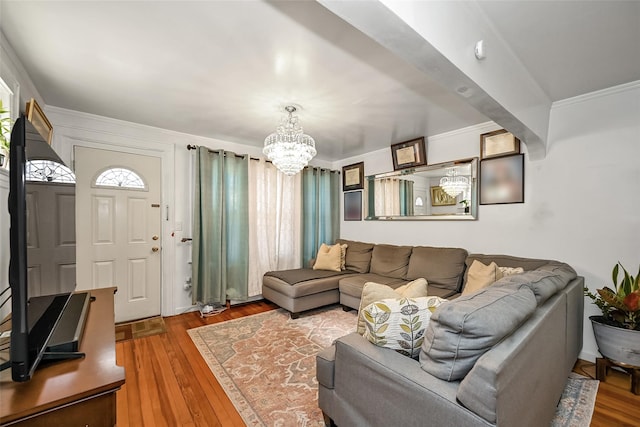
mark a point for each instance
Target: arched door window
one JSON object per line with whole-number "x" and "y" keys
{"x": 48, "y": 171}
{"x": 119, "y": 177}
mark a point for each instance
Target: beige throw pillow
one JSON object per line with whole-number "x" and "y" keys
{"x": 373, "y": 292}
{"x": 480, "y": 276}
{"x": 328, "y": 258}
{"x": 343, "y": 256}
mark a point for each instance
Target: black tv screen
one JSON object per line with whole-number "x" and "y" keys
{"x": 42, "y": 245}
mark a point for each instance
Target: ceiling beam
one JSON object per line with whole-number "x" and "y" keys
{"x": 439, "y": 38}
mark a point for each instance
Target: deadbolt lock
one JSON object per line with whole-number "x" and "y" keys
{"x": 155, "y": 237}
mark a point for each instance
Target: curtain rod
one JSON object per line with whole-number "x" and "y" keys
{"x": 195, "y": 147}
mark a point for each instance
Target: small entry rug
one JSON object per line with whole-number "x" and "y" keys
{"x": 266, "y": 363}
{"x": 140, "y": 329}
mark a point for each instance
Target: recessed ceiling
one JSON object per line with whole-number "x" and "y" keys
{"x": 571, "y": 47}
{"x": 225, "y": 69}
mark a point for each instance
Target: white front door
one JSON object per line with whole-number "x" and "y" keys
{"x": 118, "y": 200}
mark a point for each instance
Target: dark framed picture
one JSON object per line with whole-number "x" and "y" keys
{"x": 498, "y": 143}
{"x": 353, "y": 177}
{"x": 409, "y": 154}
{"x": 502, "y": 180}
{"x": 353, "y": 206}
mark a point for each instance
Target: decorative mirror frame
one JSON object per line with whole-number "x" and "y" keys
{"x": 472, "y": 215}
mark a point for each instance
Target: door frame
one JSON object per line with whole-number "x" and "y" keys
{"x": 73, "y": 137}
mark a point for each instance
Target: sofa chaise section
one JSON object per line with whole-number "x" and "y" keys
{"x": 302, "y": 289}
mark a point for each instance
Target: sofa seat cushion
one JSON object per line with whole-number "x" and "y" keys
{"x": 358, "y": 256}
{"x": 463, "y": 330}
{"x": 312, "y": 284}
{"x": 391, "y": 261}
{"x": 399, "y": 323}
{"x": 442, "y": 267}
{"x": 352, "y": 285}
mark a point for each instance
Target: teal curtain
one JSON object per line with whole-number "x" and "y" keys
{"x": 406, "y": 197}
{"x": 220, "y": 227}
{"x": 320, "y": 210}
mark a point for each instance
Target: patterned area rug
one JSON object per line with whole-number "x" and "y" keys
{"x": 577, "y": 402}
{"x": 141, "y": 328}
{"x": 266, "y": 365}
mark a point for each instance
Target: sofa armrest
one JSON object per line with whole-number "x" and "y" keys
{"x": 378, "y": 386}
{"x": 325, "y": 366}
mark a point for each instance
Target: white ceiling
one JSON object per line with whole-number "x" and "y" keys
{"x": 225, "y": 69}
{"x": 572, "y": 47}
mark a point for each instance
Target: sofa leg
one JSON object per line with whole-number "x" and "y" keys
{"x": 347, "y": 309}
{"x": 295, "y": 315}
{"x": 328, "y": 422}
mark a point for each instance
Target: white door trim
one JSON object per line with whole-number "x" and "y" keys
{"x": 67, "y": 138}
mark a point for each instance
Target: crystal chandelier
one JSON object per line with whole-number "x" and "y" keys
{"x": 453, "y": 184}
{"x": 289, "y": 148}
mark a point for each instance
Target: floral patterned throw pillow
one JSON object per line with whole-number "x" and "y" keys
{"x": 399, "y": 323}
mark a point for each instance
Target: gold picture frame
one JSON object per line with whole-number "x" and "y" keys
{"x": 439, "y": 197}
{"x": 409, "y": 154}
{"x": 498, "y": 143}
{"x": 353, "y": 177}
{"x": 39, "y": 120}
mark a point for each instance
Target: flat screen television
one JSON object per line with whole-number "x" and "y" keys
{"x": 46, "y": 316}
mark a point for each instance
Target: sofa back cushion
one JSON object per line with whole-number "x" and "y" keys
{"x": 442, "y": 267}
{"x": 464, "y": 329}
{"x": 391, "y": 261}
{"x": 358, "y": 257}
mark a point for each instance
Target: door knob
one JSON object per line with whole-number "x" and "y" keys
{"x": 155, "y": 237}
{"x": 155, "y": 249}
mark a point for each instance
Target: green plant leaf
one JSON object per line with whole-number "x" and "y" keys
{"x": 615, "y": 275}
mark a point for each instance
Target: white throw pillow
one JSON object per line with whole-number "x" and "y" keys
{"x": 399, "y": 323}
{"x": 510, "y": 271}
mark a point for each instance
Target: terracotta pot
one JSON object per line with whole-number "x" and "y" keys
{"x": 617, "y": 344}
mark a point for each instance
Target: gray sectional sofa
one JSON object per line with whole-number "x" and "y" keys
{"x": 500, "y": 356}
{"x": 304, "y": 289}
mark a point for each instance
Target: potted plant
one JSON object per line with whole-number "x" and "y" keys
{"x": 465, "y": 203}
{"x": 617, "y": 331}
{"x": 5, "y": 134}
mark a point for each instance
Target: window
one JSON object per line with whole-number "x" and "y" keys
{"x": 120, "y": 178}
{"x": 419, "y": 201}
{"x": 48, "y": 171}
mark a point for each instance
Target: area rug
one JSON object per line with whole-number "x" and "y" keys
{"x": 266, "y": 365}
{"x": 140, "y": 328}
{"x": 577, "y": 402}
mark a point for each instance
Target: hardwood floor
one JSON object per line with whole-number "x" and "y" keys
{"x": 167, "y": 381}
{"x": 169, "y": 384}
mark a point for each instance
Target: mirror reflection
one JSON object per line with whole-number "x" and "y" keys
{"x": 442, "y": 191}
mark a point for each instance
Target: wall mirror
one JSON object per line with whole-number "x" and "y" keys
{"x": 444, "y": 191}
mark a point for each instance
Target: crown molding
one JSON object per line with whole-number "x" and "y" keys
{"x": 596, "y": 94}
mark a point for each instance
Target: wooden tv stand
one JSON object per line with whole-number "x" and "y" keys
{"x": 80, "y": 392}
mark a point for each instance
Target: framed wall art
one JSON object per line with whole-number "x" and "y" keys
{"x": 439, "y": 197}
{"x": 409, "y": 154}
{"x": 502, "y": 180}
{"x": 353, "y": 206}
{"x": 498, "y": 143}
{"x": 39, "y": 121}
{"x": 353, "y": 177}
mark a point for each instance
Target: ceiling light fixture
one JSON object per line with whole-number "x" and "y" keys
{"x": 289, "y": 148}
{"x": 454, "y": 184}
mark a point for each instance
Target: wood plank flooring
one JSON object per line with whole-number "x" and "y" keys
{"x": 169, "y": 384}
